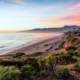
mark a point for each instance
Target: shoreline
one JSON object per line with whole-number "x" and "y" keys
{"x": 37, "y": 47}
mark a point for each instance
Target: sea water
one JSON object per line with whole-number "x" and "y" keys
{"x": 11, "y": 41}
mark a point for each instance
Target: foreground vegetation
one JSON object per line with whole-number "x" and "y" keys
{"x": 48, "y": 68}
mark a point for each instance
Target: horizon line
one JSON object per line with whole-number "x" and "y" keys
{"x": 33, "y": 28}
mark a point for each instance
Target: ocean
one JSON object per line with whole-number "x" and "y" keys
{"x": 11, "y": 41}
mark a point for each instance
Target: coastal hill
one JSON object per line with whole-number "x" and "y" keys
{"x": 62, "y": 29}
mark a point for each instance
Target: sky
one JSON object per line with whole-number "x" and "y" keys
{"x": 17, "y": 15}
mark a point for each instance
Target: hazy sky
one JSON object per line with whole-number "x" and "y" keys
{"x": 29, "y": 14}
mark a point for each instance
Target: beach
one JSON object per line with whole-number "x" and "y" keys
{"x": 45, "y": 46}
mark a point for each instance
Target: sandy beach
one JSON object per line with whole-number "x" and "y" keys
{"x": 51, "y": 43}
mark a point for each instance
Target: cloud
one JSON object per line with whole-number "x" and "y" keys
{"x": 60, "y": 21}
{"x": 69, "y": 18}
{"x": 19, "y": 1}
{"x": 72, "y": 18}
{"x": 74, "y": 7}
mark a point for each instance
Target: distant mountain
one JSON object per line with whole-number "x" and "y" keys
{"x": 63, "y": 29}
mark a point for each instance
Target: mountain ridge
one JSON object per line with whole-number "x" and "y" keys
{"x": 62, "y": 29}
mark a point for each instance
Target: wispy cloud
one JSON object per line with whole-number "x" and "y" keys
{"x": 59, "y": 21}
{"x": 69, "y": 18}
{"x": 73, "y": 18}
{"x": 75, "y": 6}
{"x": 19, "y": 1}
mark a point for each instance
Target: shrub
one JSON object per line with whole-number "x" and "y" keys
{"x": 46, "y": 45}
{"x": 18, "y": 54}
{"x": 62, "y": 72}
{"x": 9, "y": 73}
{"x": 27, "y": 71}
{"x": 72, "y": 52}
{"x": 21, "y": 62}
{"x": 78, "y": 62}
{"x": 15, "y": 62}
{"x": 56, "y": 48}
{"x": 34, "y": 54}
{"x": 70, "y": 48}
{"x": 51, "y": 62}
{"x": 64, "y": 58}
{"x": 41, "y": 61}
{"x": 71, "y": 38}
{"x": 67, "y": 57}
{"x": 50, "y": 58}
{"x": 78, "y": 52}
{"x": 33, "y": 62}
{"x": 42, "y": 73}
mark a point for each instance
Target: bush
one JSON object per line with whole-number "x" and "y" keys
{"x": 49, "y": 58}
{"x": 15, "y": 62}
{"x": 64, "y": 58}
{"x": 41, "y": 61}
{"x": 18, "y": 55}
{"x": 34, "y": 54}
{"x": 46, "y": 45}
{"x": 71, "y": 38}
{"x": 72, "y": 52}
{"x": 78, "y": 52}
{"x": 56, "y": 49}
{"x": 67, "y": 57}
{"x": 9, "y": 73}
{"x": 42, "y": 73}
{"x": 70, "y": 48}
{"x": 62, "y": 73}
{"x": 50, "y": 61}
{"x": 33, "y": 62}
{"x": 27, "y": 71}
{"x": 78, "y": 62}
{"x": 21, "y": 62}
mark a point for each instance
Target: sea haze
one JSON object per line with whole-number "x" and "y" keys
{"x": 11, "y": 41}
